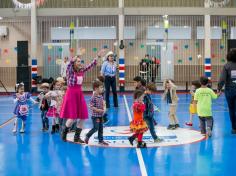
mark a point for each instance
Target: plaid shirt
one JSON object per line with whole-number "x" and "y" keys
{"x": 72, "y": 75}
{"x": 97, "y": 102}
{"x": 140, "y": 88}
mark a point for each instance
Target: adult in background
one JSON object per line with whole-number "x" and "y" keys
{"x": 74, "y": 108}
{"x": 64, "y": 65}
{"x": 228, "y": 78}
{"x": 155, "y": 65}
{"x": 108, "y": 70}
{"x": 145, "y": 68}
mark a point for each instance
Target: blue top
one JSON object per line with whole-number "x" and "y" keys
{"x": 149, "y": 110}
{"x": 22, "y": 107}
{"x": 228, "y": 77}
{"x": 108, "y": 69}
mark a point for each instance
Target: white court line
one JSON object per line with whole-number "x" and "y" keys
{"x": 127, "y": 108}
{"x": 6, "y": 113}
{"x": 184, "y": 103}
{"x": 139, "y": 153}
{"x": 159, "y": 98}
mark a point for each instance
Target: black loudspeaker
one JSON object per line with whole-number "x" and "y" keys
{"x": 24, "y": 75}
{"x": 22, "y": 53}
{"x": 231, "y": 44}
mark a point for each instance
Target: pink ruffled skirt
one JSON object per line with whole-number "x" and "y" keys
{"x": 74, "y": 105}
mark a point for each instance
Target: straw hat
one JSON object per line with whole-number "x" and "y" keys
{"x": 109, "y": 53}
{"x": 44, "y": 85}
{"x": 60, "y": 79}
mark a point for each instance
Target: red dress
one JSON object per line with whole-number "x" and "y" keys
{"x": 138, "y": 125}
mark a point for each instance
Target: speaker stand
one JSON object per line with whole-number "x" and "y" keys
{"x": 2, "y": 85}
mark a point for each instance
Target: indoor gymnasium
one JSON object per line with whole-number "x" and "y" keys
{"x": 117, "y": 87}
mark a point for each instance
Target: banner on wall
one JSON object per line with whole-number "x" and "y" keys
{"x": 26, "y": 5}
{"x": 217, "y": 3}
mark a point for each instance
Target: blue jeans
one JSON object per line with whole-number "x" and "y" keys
{"x": 110, "y": 82}
{"x": 44, "y": 119}
{"x": 151, "y": 125}
{"x": 97, "y": 126}
{"x": 230, "y": 95}
{"x": 205, "y": 121}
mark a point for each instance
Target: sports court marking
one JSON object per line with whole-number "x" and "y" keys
{"x": 139, "y": 154}
{"x": 117, "y": 136}
{"x": 7, "y": 122}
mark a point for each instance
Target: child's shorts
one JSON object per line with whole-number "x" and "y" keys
{"x": 23, "y": 118}
{"x": 193, "y": 109}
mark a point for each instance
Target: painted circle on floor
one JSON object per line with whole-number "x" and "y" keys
{"x": 117, "y": 136}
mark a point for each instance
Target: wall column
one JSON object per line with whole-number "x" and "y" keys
{"x": 33, "y": 54}
{"x": 121, "y": 49}
{"x": 207, "y": 42}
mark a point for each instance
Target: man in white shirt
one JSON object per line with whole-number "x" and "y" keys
{"x": 64, "y": 65}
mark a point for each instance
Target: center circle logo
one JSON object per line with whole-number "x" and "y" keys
{"x": 117, "y": 136}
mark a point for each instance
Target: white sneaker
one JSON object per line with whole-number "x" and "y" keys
{"x": 14, "y": 129}
{"x": 209, "y": 132}
{"x": 22, "y": 130}
{"x": 15, "y": 126}
{"x": 158, "y": 140}
{"x": 156, "y": 109}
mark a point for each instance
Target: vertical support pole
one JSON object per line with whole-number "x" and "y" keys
{"x": 207, "y": 42}
{"x": 33, "y": 44}
{"x": 34, "y": 73}
{"x": 121, "y": 49}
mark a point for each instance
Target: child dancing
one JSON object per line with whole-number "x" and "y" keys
{"x": 21, "y": 99}
{"x": 105, "y": 115}
{"x": 192, "y": 107}
{"x": 54, "y": 95}
{"x": 171, "y": 97}
{"x": 44, "y": 105}
{"x": 203, "y": 98}
{"x": 149, "y": 111}
{"x": 98, "y": 109}
{"x": 138, "y": 126}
